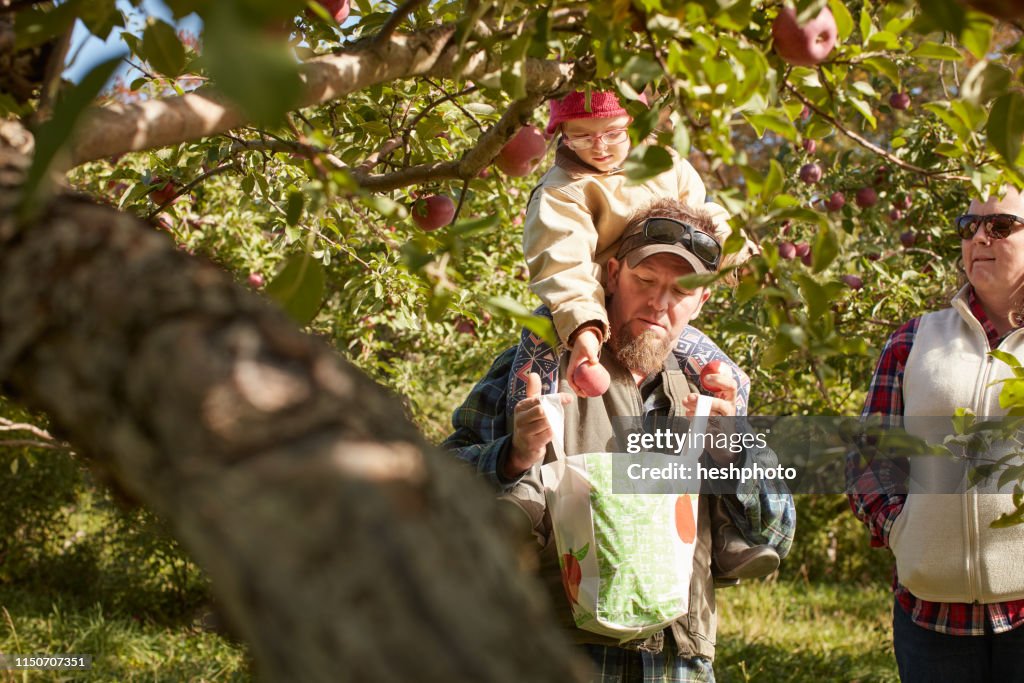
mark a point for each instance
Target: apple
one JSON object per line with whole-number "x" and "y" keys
{"x": 908, "y": 238}
{"x": 807, "y": 257}
{"x": 810, "y": 173}
{"x": 895, "y": 215}
{"x": 899, "y": 100}
{"x": 338, "y": 9}
{"x": 785, "y": 226}
{"x": 803, "y": 249}
{"x": 903, "y": 202}
{"x": 810, "y": 146}
{"x": 484, "y": 173}
{"x": 787, "y": 250}
{"x": 836, "y": 201}
{"x": 852, "y": 281}
{"x": 686, "y": 525}
{"x": 805, "y": 45}
{"x": 572, "y": 575}
{"x": 256, "y": 280}
{"x": 592, "y": 379}
{"x": 522, "y": 153}
{"x": 163, "y": 192}
{"x": 465, "y": 326}
{"x": 433, "y": 212}
{"x": 866, "y": 197}
{"x": 712, "y": 368}
{"x": 881, "y": 175}
{"x": 874, "y": 256}
{"x": 1003, "y": 9}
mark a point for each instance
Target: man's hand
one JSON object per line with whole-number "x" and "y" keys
{"x": 531, "y": 431}
{"x": 723, "y": 404}
{"x": 586, "y": 348}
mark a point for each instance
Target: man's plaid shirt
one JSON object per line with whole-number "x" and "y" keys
{"x": 877, "y": 496}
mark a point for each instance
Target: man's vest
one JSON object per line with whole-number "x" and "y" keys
{"x": 945, "y": 548}
{"x": 589, "y": 429}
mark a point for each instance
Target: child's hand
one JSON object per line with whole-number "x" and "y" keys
{"x": 585, "y": 349}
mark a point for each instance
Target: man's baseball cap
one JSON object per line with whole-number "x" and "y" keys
{"x": 660, "y": 235}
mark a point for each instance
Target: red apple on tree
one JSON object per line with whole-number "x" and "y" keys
{"x": 899, "y": 100}
{"x": 836, "y": 202}
{"x": 895, "y": 215}
{"x": 810, "y": 173}
{"x": 256, "y": 280}
{"x": 852, "y": 281}
{"x": 903, "y": 202}
{"x": 163, "y": 192}
{"x": 866, "y": 197}
{"x": 433, "y": 212}
{"x": 522, "y": 153}
{"x": 805, "y": 45}
{"x": 908, "y": 238}
{"x": 339, "y": 9}
{"x": 787, "y": 250}
{"x": 464, "y": 325}
{"x": 810, "y": 146}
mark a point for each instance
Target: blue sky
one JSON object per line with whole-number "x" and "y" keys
{"x": 87, "y": 50}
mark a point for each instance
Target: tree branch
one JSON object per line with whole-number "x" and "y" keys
{"x": 396, "y": 18}
{"x": 867, "y": 144}
{"x": 120, "y": 128}
{"x": 188, "y": 188}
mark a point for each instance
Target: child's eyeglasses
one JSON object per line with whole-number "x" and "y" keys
{"x": 670, "y": 231}
{"x": 609, "y": 137}
{"x": 997, "y": 225}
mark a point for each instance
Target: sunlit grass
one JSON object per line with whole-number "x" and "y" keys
{"x": 796, "y": 632}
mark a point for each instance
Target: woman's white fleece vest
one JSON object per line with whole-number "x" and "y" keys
{"x": 945, "y": 548}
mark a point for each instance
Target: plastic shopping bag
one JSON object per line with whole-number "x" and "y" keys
{"x": 626, "y": 558}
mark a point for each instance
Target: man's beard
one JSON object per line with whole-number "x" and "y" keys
{"x": 644, "y": 353}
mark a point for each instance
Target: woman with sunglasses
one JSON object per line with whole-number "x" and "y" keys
{"x": 577, "y": 213}
{"x": 959, "y": 587}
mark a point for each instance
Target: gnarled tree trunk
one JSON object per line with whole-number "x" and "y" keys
{"x": 341, "y": 544}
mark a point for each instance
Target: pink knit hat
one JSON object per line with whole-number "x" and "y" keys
{"x": 603, "y": 105}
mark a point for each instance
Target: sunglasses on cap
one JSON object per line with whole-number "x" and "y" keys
{"x": 670, "y": 231}
{"x": 997, "y": 226}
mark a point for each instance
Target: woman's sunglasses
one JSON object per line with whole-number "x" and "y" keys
{"x": 670, "y": 231}
{"x": 997, "y": 225}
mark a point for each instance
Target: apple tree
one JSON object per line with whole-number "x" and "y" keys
{"x": 366, "y": 165}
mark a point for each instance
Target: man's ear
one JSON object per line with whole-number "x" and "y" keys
{"x": 704, "y": 294}
{"x": 612, "y": 270}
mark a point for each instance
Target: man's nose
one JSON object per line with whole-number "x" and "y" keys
{"x": 981, "y": 233}
{"x": 660, "y": 299}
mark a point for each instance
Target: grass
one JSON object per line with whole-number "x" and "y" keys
{"x": 124, "y": 649}
{"x": 797, "y": 632}
{"x": 785, "y": 632}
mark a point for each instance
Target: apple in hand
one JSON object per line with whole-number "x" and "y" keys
{"x": 836, "y": 201}
{"x": 712, "y": 368}
{"x": 592, "y": 379}
{"x": 805, "y": 45}
{"x": 522, "y": 153}
{"x": 433, "y": 212}
{"x": 899, "y": 100}
{"x": 810, "y": 173}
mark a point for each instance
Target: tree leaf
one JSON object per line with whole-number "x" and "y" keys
{"x": 647, "y": 161}
{"x": 985, "y": 81}
{"x": 825, "y": 250}
{"x": 844, "y": 20}
{"x": 299, "y": 287}
{"x": 52, "y": 135}
{"x": 162, "y": 49}
{"x": 930, "y": 50}
{"x": 1005, "y": 126}
{"x": 976, "y": 34}
{"x": 945, "y": 14}
{"x": 538, "y": 324}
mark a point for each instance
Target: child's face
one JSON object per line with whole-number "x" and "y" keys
{"x": 600, "y": 155}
